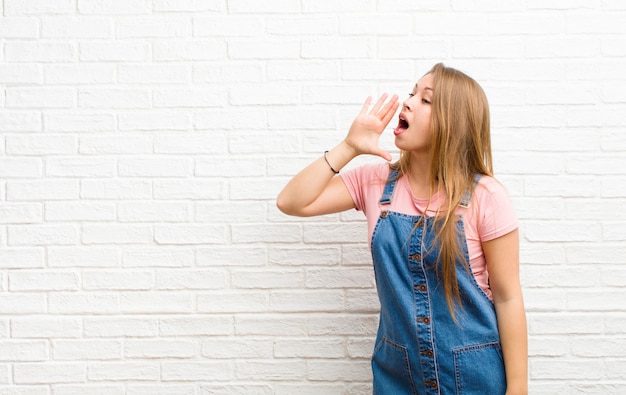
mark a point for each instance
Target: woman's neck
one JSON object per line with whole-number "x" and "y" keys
{"x": 419, "y": 177}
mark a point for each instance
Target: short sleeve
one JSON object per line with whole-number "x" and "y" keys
{"x": 365, "y": 183}
{"x": 496, "y": 214}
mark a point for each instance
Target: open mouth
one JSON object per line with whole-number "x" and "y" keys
{"x": 402, "y": 125}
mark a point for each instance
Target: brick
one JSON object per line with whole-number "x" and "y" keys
{"x": 80, "y": 167}
{"x": 265, "y": 233}
{"x": 123, "y": 371}
{"x": 256, "y": 49}
{"x": 21, "y": 258}
{"x": 218, "y": 166}
{"x": 340, "y": 278}
{"x": 341, "y": 324}
{"x": 160, "y": 256}
{"x": 309, "y": 348}
{"x": 193, "y": 189}
{"x": 40, "y": 145}
{"x": 20, "y": 213}
{"x": 265, "y": 143}
{"x": 154, "y": 74}
{"x": 380, "y": 25}
{"x": 328, "y": 6}
{"x": 306, "y": 25}
{"x": 113, "y": 98}
{"x": 201, "y": 325}
{"x": 19, "y": 27}
{"x": 76, "y": 27}
{"x": 187, "y": 5}
{"x": 72, "y": 350}
{"x": 164, "y": 389}
{"x": 194, "y": 50}
{"x": 78, "y": 122}
{"x": 42, "y": 190}
{"x": 229, "y": 256}
{"x": 312, "y": 388}
{"x": 228, "y": 72}
{"x": 43, "y": 327}
{"x": 92, "y": 256}
{"x": 22, "y": 74}
{"x": 156, "y": 302}
{"x": 43, "y": 281}
{"x": 49, "y": 372}
{"x": 153, "y": 212}
{"x": 40, "y": 97}
{"x": 270, "y": 370}
{"x": 153, "y": 26}
{"x": 120, "y": 327}
{"x": 303, "y": 301}
{"x": 268, "y": 279}
{"x": 38, "y": 51}
{"x": 190, "y": 234}
{"x": 111, "y": 144}
{"x": 42, "y": 235}
{"x": 20, "y": 121}
{"x": 24, "y": 350}
{"x": 114, "y": 189}
{"x": 154, "y": 167}
{"x": 298, "y": 70}
{"x": 76, "y": 303}
{"x": 197, "y": 371}
{"x": 337, "y": 48}
{"x": 248, "y": 6}
{"x": 190, "y": 279}
{"x": 224, "y": 348}
{"x": 114, "y": 7}
{"x": 161, "y": 349}
{"x": 154, "y": 120}
{"x": 117, "y": 280}
{"x": 121, "y": 51}
{"x": 239, "y": 302}
{"x": 116, "y": 234}
{"x": 339, "y": 370}
{"x": 195, "y": 143}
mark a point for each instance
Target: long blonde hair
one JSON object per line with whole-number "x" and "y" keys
{"x": 460, "y": 150}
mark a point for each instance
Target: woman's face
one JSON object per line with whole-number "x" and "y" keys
{"x": 412, "y": 132}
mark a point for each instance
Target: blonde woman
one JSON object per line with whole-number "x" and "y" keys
{"x": 443, "y": 237}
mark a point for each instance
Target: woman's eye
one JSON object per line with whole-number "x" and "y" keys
{"x": 411, "y": 94}
{"x": 426, "y": 101}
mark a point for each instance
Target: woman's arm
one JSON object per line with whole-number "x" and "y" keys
{"x": 502, "y": 257}
{"x": 315, "y": 190}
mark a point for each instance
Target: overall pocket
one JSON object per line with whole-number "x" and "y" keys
{"x": 479, "y": 369}
{"x": 391, "y": 369}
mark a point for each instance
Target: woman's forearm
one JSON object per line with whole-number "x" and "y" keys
{"x": 310, "y": 183}
{"x": 514, "y": 340}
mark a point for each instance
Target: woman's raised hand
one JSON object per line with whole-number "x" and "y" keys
{"x": 367, "y": 127}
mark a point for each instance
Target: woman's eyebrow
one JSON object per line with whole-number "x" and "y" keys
{"x": 425, "y": 88}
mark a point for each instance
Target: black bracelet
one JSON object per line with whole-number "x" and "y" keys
{"x": 329, "y": 165}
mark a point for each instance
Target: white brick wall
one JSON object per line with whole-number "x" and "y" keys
{"x": 142, "y": 144}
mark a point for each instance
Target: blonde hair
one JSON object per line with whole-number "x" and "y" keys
{"x": 460, "y": 150}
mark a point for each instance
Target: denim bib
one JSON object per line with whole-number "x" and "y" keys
{"x": 419, "y": 348}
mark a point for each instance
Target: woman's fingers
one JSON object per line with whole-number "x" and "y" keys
{"x": 379, "y": 104}
{"x": 366, "y": 105}
{"x": 390, "y": 109}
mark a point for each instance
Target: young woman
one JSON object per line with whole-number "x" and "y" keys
{"x": 443, "y": 237}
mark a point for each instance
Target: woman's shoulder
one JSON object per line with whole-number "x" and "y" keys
{"x": 370, "y": 172}
{"x": 488, "y": 185}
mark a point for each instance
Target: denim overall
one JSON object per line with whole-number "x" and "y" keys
{"x": 419, "y": 348}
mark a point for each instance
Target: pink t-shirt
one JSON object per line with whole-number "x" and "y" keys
{"x": 489, "y": 216}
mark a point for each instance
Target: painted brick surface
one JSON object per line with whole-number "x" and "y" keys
{"x": 142, "y": 145}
